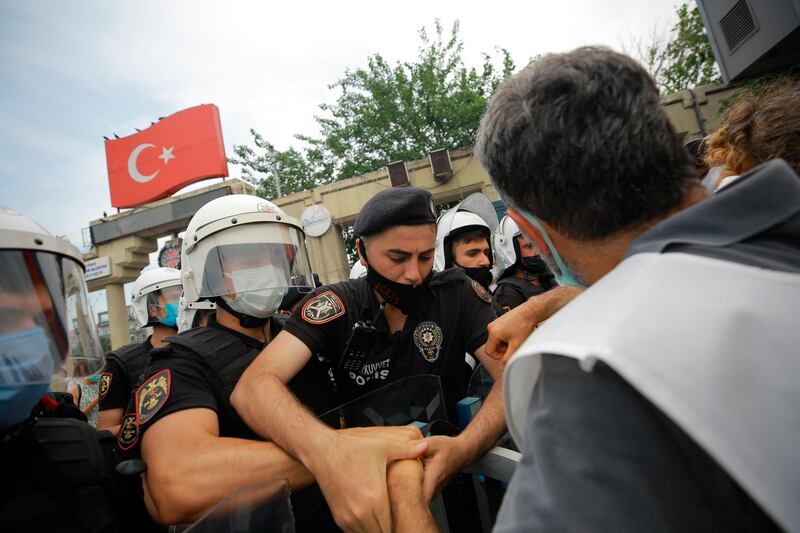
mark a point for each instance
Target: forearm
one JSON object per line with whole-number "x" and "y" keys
{"x": 271, "y": 410}
{"x": 410, "y": 511}
{"x": 182, "y": 486}
{"x": 110, "y": 419}
{"x": 487, "y": 427}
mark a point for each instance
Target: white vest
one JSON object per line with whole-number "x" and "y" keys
{"x": 714, "y": 345}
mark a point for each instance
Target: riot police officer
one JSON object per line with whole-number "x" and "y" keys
{"x": 463, "y": 238}
{"x": 244, "y": 254}
{"x": 55, "y": 472}
{"x": 401, "y": 319}
{"x": 155, "y": 304}
{"x": 521, "y": 273}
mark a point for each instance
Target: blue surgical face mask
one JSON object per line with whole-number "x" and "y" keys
{"x": 171, "y": 318}
{"x": 26, "y": 368}
{"x": 562, "y": 273}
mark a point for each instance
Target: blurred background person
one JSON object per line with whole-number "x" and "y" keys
{"x": 761, "y": 125}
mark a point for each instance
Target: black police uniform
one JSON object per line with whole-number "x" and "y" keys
{"x": 199, "y": 368}
{"x": 449, "y": 319}
{"x": 57, "y": 473}
{"x": 123, "y": 371}
{"x": 512, "y": 291}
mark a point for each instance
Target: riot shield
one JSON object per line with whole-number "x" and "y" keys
{"x": 263, "y": 507}
{"x": 414, "y": 400}
{"x": 480, "y": 383}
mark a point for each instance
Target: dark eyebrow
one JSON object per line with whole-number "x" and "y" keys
{"x": 404, "y": 252}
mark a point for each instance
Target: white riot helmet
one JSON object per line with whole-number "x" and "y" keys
{"x": 155, "y": 297}
{"x": 506, "y": 248}
{"x": 358, "y": 270}
{"x": 188, "y": 317}
{"x": 244, "y": 253}
{"x": 475, "y": 212}
{"x": 47, "y": 327}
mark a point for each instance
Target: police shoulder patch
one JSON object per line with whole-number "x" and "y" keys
{"x": 482, "y": 293}
{"x": 322, "y": 308}
{"x": 105, "y": 383}
{"x": 152, "y": 395}
{"x": 128, "y": 433}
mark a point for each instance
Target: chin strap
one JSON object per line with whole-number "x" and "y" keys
{"x": 246, "y": 321}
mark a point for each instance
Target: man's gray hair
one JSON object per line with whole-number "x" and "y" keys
{"x": 580, "y": 140}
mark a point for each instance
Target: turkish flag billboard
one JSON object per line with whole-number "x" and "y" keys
{"x": 178, "y": 150}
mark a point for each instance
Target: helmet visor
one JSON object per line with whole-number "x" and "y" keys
{"x": 159, "y": 301}
{"x": 47, "y": 329}
{"x": 505, "y": 252}
{"x": 251, "y": 258}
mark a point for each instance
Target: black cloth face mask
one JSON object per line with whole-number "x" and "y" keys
{"x": 401, "y": 295}
{"x": 483, "y": 275}
{"x": 535, "y": 267}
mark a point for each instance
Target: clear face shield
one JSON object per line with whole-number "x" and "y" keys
{"x": 253, "y": 267}
{"x": 505, "y": 254}
{"x": 162, "y": 305}
{"x": 47, "y": 328}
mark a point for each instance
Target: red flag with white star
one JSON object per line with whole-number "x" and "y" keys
{"x": 178, "y": 150}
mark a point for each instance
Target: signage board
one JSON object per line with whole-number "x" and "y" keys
{"x": 316, "y": 220}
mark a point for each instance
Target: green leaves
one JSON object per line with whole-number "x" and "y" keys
{"x": 689, "y": 55}
{"x": 384, "y": 113}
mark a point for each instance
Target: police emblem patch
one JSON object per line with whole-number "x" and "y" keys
{"x": 428, "y": 338}
{"x": 152, "y": 395}
{"x": 128, "y": 433}
{"x": 105, "y": 383}
{"x": 322, "y": 308}
{"x": 482, "y": 293}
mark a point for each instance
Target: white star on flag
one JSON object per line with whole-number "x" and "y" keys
{"x": 166, "y": 154}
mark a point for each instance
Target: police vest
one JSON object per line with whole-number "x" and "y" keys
{"x": 132, "y": 359}
{"x": 65, "y": 480}
{"x": 524, "y": 286}
{"x": 225, "y": 355}
{"x": 712, "y": 344}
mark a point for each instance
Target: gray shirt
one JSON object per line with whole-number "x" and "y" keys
{"x": 598, "y": 455}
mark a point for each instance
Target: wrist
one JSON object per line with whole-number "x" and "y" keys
{"x": 313, "y": 452}
{"x": 466, "y": 450}
{"x": 404, "y": 473}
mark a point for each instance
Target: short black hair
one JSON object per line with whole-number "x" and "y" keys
{"x": 469, "y": 236}
{"x": 580, "y": 140}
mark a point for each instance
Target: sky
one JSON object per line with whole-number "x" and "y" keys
{"x": 72, "y": 72}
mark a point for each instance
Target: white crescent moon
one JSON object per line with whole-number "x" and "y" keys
{"x": 133, "y": 171}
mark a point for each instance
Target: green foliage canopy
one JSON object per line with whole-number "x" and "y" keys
{"x": 384, "y": 113}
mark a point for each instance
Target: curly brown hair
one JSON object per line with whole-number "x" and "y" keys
{"x": 761, "y": 125}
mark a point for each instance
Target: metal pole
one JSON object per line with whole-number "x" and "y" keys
{"x": 117, "y": 315}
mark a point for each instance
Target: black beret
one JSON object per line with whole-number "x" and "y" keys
{"x": 404, "y": 206}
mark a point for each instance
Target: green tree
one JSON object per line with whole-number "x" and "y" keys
{"x": 385, "y": 113}
{"x": 295, "y": 170}
{"x": 682, "y": 60}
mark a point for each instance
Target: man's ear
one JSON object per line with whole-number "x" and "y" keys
{"x": 529, "y": 230}
{"x": 362, "y": 251}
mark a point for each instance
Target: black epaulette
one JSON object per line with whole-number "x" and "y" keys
{"x": 449, "y": 276}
